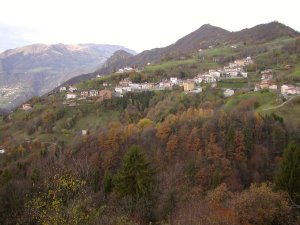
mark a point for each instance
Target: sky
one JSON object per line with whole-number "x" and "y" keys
{"x": 135, "y": 24}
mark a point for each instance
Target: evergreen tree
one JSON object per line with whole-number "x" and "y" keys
{"x": 288, "y": 176}
{"x": 108, "y": 183}
{"x": 135, "y": 179}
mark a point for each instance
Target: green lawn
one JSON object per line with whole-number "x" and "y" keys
{"x": 93, "y": 121}
{"x": 290, "y": 113}
{"x": 169, "y": 64}
{"x": 296, "y": 72}
{"x": 233, "y": 83}
{"x": 221, "y": 51}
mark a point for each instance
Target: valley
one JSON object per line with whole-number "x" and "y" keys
{"x": 37, "y": 69}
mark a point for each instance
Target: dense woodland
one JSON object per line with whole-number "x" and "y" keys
{"x": 162, "y": 157}
{"x": 170, "y": 158}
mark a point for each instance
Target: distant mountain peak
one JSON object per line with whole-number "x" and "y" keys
{"x": 42, "y": 67}
{"x": 120, "y": 56}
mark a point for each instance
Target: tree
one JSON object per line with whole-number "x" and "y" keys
{"x": 172, "y": 144}
{"x": 260, "y": 205}
{"x": 135, "y": 179}
{"x": 239, "y": 146}
{"x": 288, "y": 176}
{"x": 108, "y": 183}
{"x": 64, "y": 202}
{"x": 298, "y": 47}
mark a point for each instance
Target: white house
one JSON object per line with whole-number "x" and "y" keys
{"x": 273, "y": 87}
{"x": 63, "y": 88}
{"x": 232, "y": 65}
{"x": 288, "y": 89}
{"x": 249, "y": 60}
{"x": 26, "y": 106}
{"x": 93, "y": 93}
{"x": 120, "y": 71}
{"x": 71, "y": 96}
{"x": 228, "y": 93}
{"x": 174, "y": 80}
{"x": 84, "y": 94}
{"x": 198, "y": 80}
{"x": 134, "y": 86}
{"x": 122, "y": 90}
{"x": 128, "y": 69}
{"x": 257, "y": 87}
{"x": 165, "y": 84}
{"x": 119, "y": 89}
{"x": 208, "y": 78}
{"x": 233, "y": 72}
{"x": 72, "y": 89}
{"x": 244, "y": 74}
{"x": 214, "y": 73}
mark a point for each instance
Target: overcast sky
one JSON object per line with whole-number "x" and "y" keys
{"x": 136, "y": 24}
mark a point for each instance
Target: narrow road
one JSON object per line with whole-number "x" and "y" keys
{"x": 282, "y": 104}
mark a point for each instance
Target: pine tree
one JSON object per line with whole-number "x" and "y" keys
{"x": 135, "y": 179}
{"x": 288, "y": 176}
{"x": 108, "y": 183}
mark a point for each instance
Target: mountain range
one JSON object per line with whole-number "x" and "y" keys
{"x": 36, "y": 69}
{"x": 208, "y": 35}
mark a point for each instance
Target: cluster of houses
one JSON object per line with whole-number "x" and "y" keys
{"x": 126, "y": 85}
{"x": 287, "y": 89}
{"x": 128, "y": 70}
{"x": 100, "y": 94}
{"x": 268, "y": 83}
{"x": 232, "y": 70}
{"x": 74, "y": 94}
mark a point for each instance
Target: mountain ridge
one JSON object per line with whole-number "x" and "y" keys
{"x": 203, "y": 37}
{"x": 208, "y": 35}
{"x": 37, "y": 69}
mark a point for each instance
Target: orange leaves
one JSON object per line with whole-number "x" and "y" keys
{"x": 163, "y": 131}
{"x": 239, "y": 146}
{"x": 194, "y": 114}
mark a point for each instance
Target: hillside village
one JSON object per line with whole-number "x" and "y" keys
{"x": 234, "y": 70}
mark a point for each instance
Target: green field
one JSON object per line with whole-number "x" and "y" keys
{"x": 222, "y": 51}
{"x": 289, "y": 112}
{"x": 169, "y": 64}
{"x": 233, "y": 83}
{"x": 296, "y": 72}
{"x": 264, "y": 100}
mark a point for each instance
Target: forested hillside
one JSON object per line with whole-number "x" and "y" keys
{"x": 163, "y": 156}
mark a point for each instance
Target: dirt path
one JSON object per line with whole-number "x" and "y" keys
{"x": 282, "y": 104}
